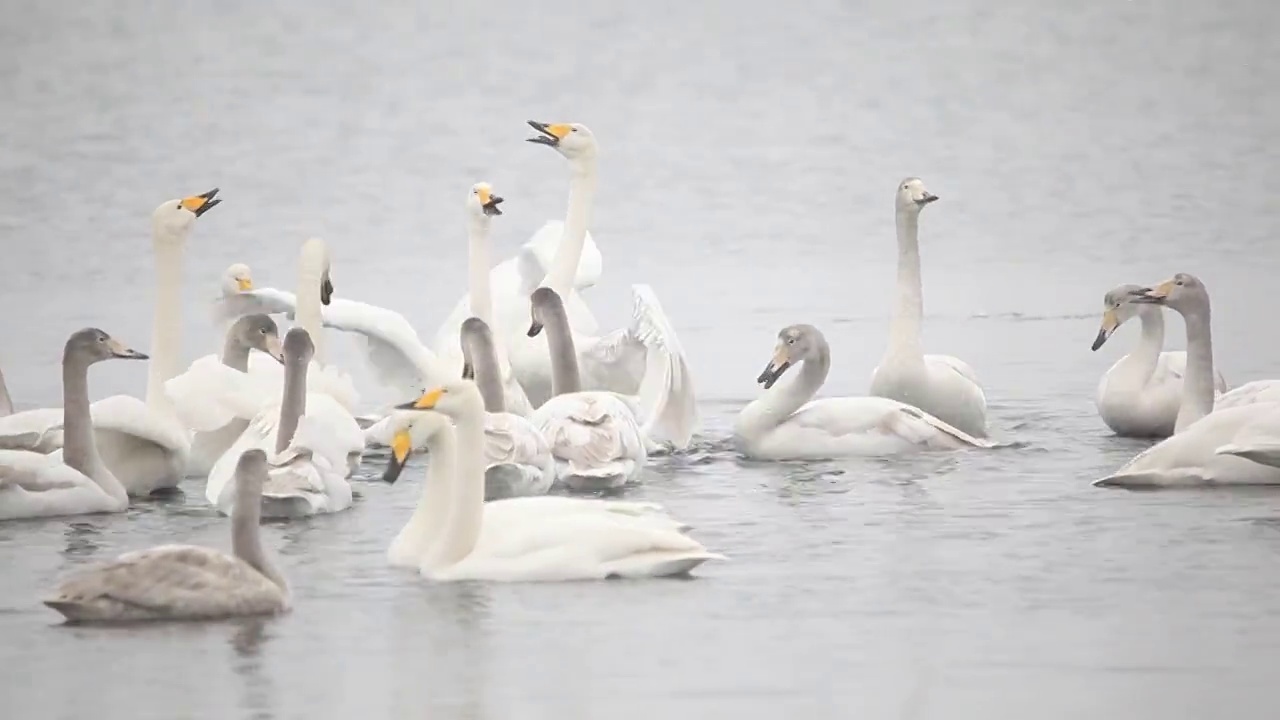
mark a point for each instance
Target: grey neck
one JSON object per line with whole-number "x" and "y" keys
{"x": 564, "y": 357}
{"x": 235, "y": 354}
{"x": 293, "y": 404}
{"x": 1198, "y": 386}
{"x": 484, "y": 362}
{"x": 78, "y": 450}
{"x": 246, "y": 536}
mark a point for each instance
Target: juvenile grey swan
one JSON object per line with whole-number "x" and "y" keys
{"x": 185, "y": 582}
{"x": 518, "y": 461}
{"x": 75, "y": 481}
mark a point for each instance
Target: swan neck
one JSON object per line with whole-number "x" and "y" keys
{"x": 1145, "y": 357}
{"x": 78, "y": 449}
{"x": 235, "y": 354}
{"x": 6, "y": 403}
{"x": 565, "y": 377}
{"x": 246, "y": 535}
{"x": 478, "y": 267}
{"x": 307, "y": 313}
{"x": 462, "y": 528}
{"x": 904, "y": 328}
{"x": 484, "y": 361}
{"x": 166, "y": 327}
{"x": 1198, "y": 386}
{"x": 293, "y": 403}
{"x": 778, "y": 402}
{"x": 582, "y": 191}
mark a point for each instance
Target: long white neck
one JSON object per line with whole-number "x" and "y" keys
{"x": 166, "y": 325}
{"x": 777, "y": 403}
{"x": 1144, "y": 358}
{"x": 1197, "y": 386}
{"x": 6, "y": 404}
{"x": 904, "y": 328}
{"x": 466, "y": 511}
{"x": 478, "y": 269}
{"x": 418, "y": 539}
{"x": 308, "y": 309}
{"x": 582, "y": 191}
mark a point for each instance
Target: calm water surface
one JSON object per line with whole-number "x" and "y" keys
{"x": 749, "y": 157}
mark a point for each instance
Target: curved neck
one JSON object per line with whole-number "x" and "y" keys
{"x": 307, "y": 312}
{"x": 432, "y": 512}
{"x": 484, "y": 361}
{"x": 78, "y": 449}
{"x": 478, "y": 268}
{"x": 293, "y": 404}
{"x": 582, "y": 191}
{"x": 246, "y": 536}
{"x": 166, "y": 326}
{"x": 780, "y": 401}
{"x": 1197, "y": 386}
{"x": 904, "y": 328}
{"x": 6, "y": 403}
{"x": 1144, "y": 358}
{"x": 564, "y": 357}
{"x": 466, "y": 512}
{"x": 235, "y": 354}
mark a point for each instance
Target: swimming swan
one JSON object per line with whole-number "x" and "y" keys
{"x": 940, "y": 385}
{"x": 75, "y": 481}
{"x": 1207, "y": 447}
{"x": 1141, "y": 393}
{"x": 595, "y": 437}
{"x": 195, "y": 397}
{"x": 185, "y": 582}
{"x": 143, "y": 443}
{"x": 310, "y": 454}
{"x": 515, "y": 540}
{"x": 785, "y": 423}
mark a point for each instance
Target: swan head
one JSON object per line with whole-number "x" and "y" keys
{"x": 259, "y": 332}
{"x": 796, "y": 343}
{"x": 92, "y": 345}
{"x": 913, "y": 195}
{"x": 476, "y": 338}
{"x": 544, "y": 304}
{"x": 173, "y": 218}
{"x": 410, "y": 429}
{"x": 572, "y": 140}
{"x": 482, "y": 203}
{"x": 1118, "y": 306}
{"x": 298, "y": 348}
{"x": 456, "y": 399}
{"x": 237, "y": 279}
{"x": 315, "y": 260}
{"x": 1183, "y": 292}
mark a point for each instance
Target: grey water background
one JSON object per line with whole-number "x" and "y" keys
{"x": 749, "y": 154}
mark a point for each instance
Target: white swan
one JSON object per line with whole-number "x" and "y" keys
{"x": 75, "y": 481}
{"x": 185, "y": 582}
{"x": 1140, "y": 395}
{"x": 240, "y": 296}
{"x": 144, "y": 444}
{"x": 312, "y": 452}
{"x": 196, "y": 400}
{"x": 595, "y": 437}
{"x": 940, "y": 385}
{"x": 518, "y": 458}
{"x": 514, "y": 540}
{"x": 1203, "y": 449}
{"x": 785, "y": 423}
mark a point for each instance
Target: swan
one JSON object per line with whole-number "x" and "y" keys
{"x": 518, "y": 459}
{"x": 185, "y": 582}
{"x": 940, "y": 385}
{"x": 1203, "y": 449}
{"x": 240, "y": 296}
{"x": 143, "y": 443}
{"x": 595, "y": 437}
{"x": 311, "y": 452}
{"x": 511, "y": 540}
{"x": 196, "y": 401}
{"x": 1140, "y": 395}
{"x": 6, "y": 402}
{"x": 76, "y": 481}
{"x": 785, "y": 423}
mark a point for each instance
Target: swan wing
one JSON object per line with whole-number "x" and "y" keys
{"x": 37, "y": 430}
{"x": 268, "y": 301}
{"x": 392, "y": 347}
{"x": 127, "y": 415}
{"x": 533, "y": 261}
{"x": 1258, "y": 391}
{"x": 34, "y": 472}
{"x": 329, "y": 380}
{"x": 509, "y": 438}
{"x": 589, "y": 430}
{"x": 209, "y": 394}
{"x": 646, "y": 359}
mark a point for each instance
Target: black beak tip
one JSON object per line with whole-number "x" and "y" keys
{"x": 393, "y": 471}
{"x": 468, "y": 372}
{"x": 534, "y": 329}
{"x": 135, "y": 355}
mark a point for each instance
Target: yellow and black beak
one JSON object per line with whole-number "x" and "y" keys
{"x": 202, "y": 203}
{"x": 927, "y": 198}
{"x": 326, "y": 289}
{"x": 489, "y": 202}
{"x": 426, "y": 402}
{"x": 775, "y": 368}
{"x": 1109, "y": 325}
{"x": 401, "y": 445}
{"x": 244, "y": 284}
{"x": 118, "y": 349}
{"x": 551, "y": 133}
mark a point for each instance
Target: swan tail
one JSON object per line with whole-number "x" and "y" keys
{"x": 508, "y": 480}
{"x": 597, "y": 478}
{"x": 1185, "y": 477}
{"x": 660, "y": 563}
{"x": 1261, "y": 452}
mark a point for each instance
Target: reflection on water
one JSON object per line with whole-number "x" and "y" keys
{"x": 747, "y": 163}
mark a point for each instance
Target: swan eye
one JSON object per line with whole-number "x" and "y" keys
{"x": 263, "y": 331}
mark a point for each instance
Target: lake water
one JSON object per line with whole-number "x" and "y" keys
{"x": 749, "y": 157}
